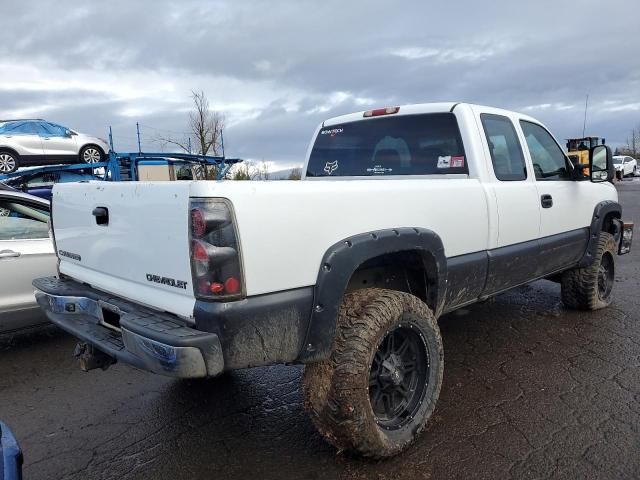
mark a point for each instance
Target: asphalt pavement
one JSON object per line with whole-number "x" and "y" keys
{"x": 531, "y": 390}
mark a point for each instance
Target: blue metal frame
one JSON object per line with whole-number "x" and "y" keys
{"x": 55, "y": 168}
{"x": 116, "y": 159}
{"x": 113, "y": 164}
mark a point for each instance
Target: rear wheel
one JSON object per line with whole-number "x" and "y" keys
{"x": 379, "y": 388}
{"x": 8, "y": 162}
{"x": 91, "y": 154}
{"x": 591, "y": 288}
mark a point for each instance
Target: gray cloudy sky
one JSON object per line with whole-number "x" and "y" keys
{"x": 276, "y": 68}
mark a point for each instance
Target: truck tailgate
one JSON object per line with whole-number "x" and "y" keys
{"x": 140, "y": 252}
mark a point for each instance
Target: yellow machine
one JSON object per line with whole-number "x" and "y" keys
{"x": 578, "y": 148}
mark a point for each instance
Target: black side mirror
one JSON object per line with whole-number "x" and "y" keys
{"x": 601, "y": 164}
{"x": 67, "y": 133}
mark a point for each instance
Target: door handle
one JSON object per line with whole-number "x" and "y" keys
{"x": 102, "y": 215}
{"x": 546, "y": 201}
{"x": 9, "y": 254}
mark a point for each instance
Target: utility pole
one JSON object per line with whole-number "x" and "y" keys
{"x": 584, "y": 125}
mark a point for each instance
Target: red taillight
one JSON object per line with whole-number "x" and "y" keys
{"x": 203, "y": 286}
{"x": 198, "y": 224}
{"x": 381, "y": 111}
{"x": 232, "y": 285}
{"x": 215, "y": 256}
{"x": 200, "y": 251}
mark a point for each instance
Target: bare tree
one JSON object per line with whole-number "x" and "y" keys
{"x": 263, "y": 171}
{"x": 250, "y": 171}
{"x": 241, "y": 171}
{"x": 296, "y": 174}
{"x": 205, "y": 129}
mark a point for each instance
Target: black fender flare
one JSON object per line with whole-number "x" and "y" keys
{"x": 601, "y": 211}
{"x": 343, "y": 259}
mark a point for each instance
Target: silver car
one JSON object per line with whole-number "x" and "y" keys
{"x": 38, "y": 142}
{"x": 26, "y": 252}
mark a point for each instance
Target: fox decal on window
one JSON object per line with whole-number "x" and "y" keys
{"x": 331, "y": 167}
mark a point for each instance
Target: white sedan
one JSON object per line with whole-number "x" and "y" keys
{"x": 26, "y": 252}
{"x": 625, "y": 164}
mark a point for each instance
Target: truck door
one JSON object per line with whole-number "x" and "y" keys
{"x": 566, "y": 205}
{"x": 512, "y": 260}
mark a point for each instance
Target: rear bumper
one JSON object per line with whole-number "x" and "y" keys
{"x": 145, "y": 338}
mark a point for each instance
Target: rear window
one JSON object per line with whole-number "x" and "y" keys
{"x": 425, "y": 144}
{"x": 16, "y": 127}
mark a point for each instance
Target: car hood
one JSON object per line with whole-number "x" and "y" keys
{"x": 91, "y": 138}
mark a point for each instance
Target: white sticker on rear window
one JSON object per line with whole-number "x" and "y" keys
{"x": 333, "y": 132}
{"x": 379, "y": 170}
{"x": 444, "y": 162}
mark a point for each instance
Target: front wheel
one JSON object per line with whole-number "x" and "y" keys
{"x": 379, "y": 387}
{"x": 591, "y": 288}
{"x": 8, "y": 162}
{"x": 90, "y": 154}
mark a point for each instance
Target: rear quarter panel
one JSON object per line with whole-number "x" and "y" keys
{"x": 286, "y": 227}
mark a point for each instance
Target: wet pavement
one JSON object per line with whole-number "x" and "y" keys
{"x": 531, "y": 390}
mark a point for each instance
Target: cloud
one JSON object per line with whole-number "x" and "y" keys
{"x": 277, "y": 69}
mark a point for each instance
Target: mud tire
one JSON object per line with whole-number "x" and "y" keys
{"x": 580, "y": 285}
{"x": 337, "y": 389}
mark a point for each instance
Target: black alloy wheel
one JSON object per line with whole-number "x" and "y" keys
{"x": 398, "y": 377}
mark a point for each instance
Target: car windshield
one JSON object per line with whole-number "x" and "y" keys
{"x": 617, "y": 160}
{"x": 424, "y": 144}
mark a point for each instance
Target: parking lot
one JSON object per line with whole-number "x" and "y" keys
{"x": 531, "y": 390}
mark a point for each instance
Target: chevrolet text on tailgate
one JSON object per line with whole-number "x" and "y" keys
{"x": 403, "y": 214}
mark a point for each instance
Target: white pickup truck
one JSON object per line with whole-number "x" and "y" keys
{"x": 403, "y": 214}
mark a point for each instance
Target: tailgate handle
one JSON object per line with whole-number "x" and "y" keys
{"x": 102, "y": 215}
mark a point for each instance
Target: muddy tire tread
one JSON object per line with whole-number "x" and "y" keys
{"x": 336, "y": 391}
{"x": 579, "y": 286}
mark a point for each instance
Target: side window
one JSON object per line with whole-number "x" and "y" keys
{"x": 20, "y": 220}
{"x": 504, "y": 146}
{"x": 17, "y": 128}
{"x": 44, "y": 180}
{"x": 549, "y": 161}
{"x": 44, "y": 129}
{"x": 56, "y": 130}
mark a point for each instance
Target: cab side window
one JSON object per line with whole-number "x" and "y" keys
{"x": 505, "y": 148}
{"x": 549, "y": 161}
